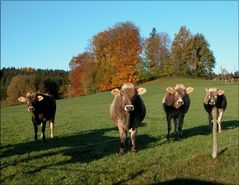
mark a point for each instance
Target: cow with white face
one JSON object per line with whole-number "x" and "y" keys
{"x": 215, "y": 98}
{"x": 42, "y": 108}
{"x": 176, "y": 103}
{"x": 127, "y": 111}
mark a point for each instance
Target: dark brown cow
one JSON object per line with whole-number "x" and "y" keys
{"x": 42, "y": 108}
{"x": 215, "y": 98}
{"x": 176, "y": 103}
{"x": 127, "y": 111}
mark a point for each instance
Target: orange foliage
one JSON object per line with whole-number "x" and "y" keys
{"x": 77, "y": 65}
{"x": 117, "y": 53}
{"x": 27, "y": 69}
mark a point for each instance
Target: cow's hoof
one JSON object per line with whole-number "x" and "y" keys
{"x": 220, "y": 131}
{"x": 121, "y": 152}
{"x": 168, "y": 138}
{"x": 133, "y": 150}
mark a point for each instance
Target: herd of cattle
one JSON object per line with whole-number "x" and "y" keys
{"x": 128, "y": 110}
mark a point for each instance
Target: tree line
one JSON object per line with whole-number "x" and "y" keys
{"x": 119, "y": 54}
{"x": 17, "y": 82}
{"x": 115, "y": 56}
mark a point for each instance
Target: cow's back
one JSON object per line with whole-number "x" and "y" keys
{"x": 139, "y": 112}
{"x": 47, "y": 107}
{"x": 221, "y": 102}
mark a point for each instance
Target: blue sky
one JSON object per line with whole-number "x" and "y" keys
{"x": 46, "y": 34}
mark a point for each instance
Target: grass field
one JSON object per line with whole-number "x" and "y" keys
{"x": 86, "y": 143}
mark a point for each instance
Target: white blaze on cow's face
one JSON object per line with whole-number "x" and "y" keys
{"x": 31, "y": 100}
{"x": 212, "y": 95}
{"x": 127, "y": 93}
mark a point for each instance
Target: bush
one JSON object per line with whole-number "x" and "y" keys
{"x": 19, "y": 86}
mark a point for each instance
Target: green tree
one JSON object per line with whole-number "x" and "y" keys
{"x": 179, "y": 51}
{"x": 200, "y": 59}
{"x": 157, "y": 52}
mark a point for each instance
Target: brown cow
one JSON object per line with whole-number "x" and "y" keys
{"x": 42, "y": 108}
{"x": 215, "y": 98}
{"x": 127, "y": 111}
{"x": 176, "y": 103}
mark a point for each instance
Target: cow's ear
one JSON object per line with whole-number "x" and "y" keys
{"x": 189, "y": 90}
{"x": 22, "y": 99}
{"x": 115, "y": 92}
{"x": 220, "y": 92}
{"x": 141, "y": 91}
{"x": 40, "y": 98}
{"x": 170, "y": 90}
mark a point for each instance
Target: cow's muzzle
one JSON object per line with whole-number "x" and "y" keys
{"x": 129, "y": 108}
{"x": 212, "y": 102}
{"x": 31, "y": 109}
{"x": 180, "y": 102}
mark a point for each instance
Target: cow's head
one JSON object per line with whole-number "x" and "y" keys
{"x": 175, "y": 95}
{"x": 128, "y": 93}
{"x": 212, "y": 95}
{"x": 31, "y": 99}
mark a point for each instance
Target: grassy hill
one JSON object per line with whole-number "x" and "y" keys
{"x": 85, "y": 149}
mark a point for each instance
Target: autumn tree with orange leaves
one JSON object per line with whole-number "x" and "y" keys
{"x": 115, "y": 57}
{"x": 117, "y": 53}
{"x": 77, "y": 65}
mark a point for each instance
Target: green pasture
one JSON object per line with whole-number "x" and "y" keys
{"x": 86, "y": 144}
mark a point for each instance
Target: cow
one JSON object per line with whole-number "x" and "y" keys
{"x": 127, "y": 111}
{"x": 215, "y": 98}
{"x": 176, "y": 103}
{"x": 42, "y": 108}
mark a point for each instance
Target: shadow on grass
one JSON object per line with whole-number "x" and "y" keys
{"x": 185, "y": 181}
{"x": 82, "y": 147}
{"x": 207, "y": 129}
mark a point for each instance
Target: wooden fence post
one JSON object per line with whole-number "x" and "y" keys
{"x": 214, "y": 133}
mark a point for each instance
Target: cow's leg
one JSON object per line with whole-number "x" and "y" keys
{"x": 176, "y": 132}
{"x": 133, "y": 139}
{"x": 35, "y": 128}
{"x": 122, "y": 139}
{"x": 52, "y": 127}
{"x": 169, "y": 118}
{"x": 43, "y": 130}
{"x": 219, "y": 122}
{"x": 180, "y": 126}
{"x": 210, "y": 118}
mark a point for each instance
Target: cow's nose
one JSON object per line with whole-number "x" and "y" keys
{"x": 129, "y": 108}
{"x": 180, "y": 102}
{"x": 212, "y": 102}
{"x": 31, "y": 109}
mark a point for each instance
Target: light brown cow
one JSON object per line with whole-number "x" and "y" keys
{"x": 176, "y": 103}
{"x": 127, "y": 111}
{"x": 215, "y": 98}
